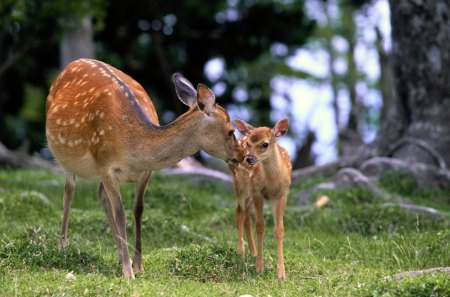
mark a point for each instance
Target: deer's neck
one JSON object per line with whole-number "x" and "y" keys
{"x": 272, "y": 166}
{"x": 164, "y": 147}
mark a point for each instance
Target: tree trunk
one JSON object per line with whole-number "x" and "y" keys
{"x": 421, "y": 67}
{"x": 415, "y": 136}
{"x": 416, "y": 129}
{"x": 78, "y": 43}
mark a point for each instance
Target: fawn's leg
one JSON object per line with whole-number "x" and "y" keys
{"x": 119, "y": 219}
{"x": 260, "y": 227}
{"x": 248, "y": 227}
{"x": 141, "y": 185}
{"x": 108, "y": 211}
{"x": 240, "y": 217}
{"x": 278, "y": 212}
{"x": 69, "y": 190}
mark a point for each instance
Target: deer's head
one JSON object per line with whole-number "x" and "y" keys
{"x": 260, "y": 142}
{"x": 215, "y": 131}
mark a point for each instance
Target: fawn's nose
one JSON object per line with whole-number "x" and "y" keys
{"x": 250, "y": 160}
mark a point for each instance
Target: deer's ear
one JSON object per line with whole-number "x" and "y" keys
{"x": 243, "y": 127}
{"x": 185, "y": 90}
{"x": 206, "y": 100}
{"x": 281, "y": 127}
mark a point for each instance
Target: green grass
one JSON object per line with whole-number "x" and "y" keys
{"x": 189, "y": 239}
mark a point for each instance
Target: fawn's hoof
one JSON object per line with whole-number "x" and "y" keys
{"x": 281, "y": 276}
{"x": 259, "y": 266}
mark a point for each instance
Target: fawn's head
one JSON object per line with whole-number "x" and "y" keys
{"x": 260, "y": 142}
{"x": 216, "y": 133}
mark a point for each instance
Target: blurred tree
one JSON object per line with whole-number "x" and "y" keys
{"x": 417, "y": 129}
{"x": 152, "y": 39}
{"x": 30, "y": 32}
{"x": 149, "y": 40}
{"x": 415, "y": 135}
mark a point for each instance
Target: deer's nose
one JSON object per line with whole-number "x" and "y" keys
{"x": 250, "y": 159}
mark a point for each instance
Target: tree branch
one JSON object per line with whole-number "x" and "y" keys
{"x": 418, "y": 273}
{"x": 16, "y": 56}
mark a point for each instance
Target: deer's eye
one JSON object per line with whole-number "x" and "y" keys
{"x": 231, "y": 133}
{"x": 265, "y": 145}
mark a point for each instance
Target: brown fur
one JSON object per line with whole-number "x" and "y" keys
{"x": 268, "y": 179}
{"x": 102, "y": 125}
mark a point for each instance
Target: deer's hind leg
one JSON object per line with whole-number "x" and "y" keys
{"x": 69, "y": 190}
{"x": 118, "y": 218}
{"x": 104, "y": 201}
{"x": 260, "y": 228}
{"x": 141, "y": 185}
{"x": 278, "y": 213}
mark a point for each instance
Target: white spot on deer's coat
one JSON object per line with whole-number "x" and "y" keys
{"x": 61, "y": 139}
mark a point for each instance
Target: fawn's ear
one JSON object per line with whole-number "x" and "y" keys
{"x": 281, "y": 127}
{"x": 243, "y": 127}
{"x": 185, "y": 90}
{"x": 206, "y": 100}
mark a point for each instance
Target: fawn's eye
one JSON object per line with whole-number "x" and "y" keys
{"x": 265, "y": 145}
{"x": 231, "y": 133}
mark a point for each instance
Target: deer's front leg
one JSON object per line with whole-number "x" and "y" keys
{"x": 119, "y": 220}
{"x": 141, "y": 185}
{"x": 249, "y": 232}
{"x": 260, "y": 227}
{"x": 278, "y": 212}
{"x": 240, "y": 217}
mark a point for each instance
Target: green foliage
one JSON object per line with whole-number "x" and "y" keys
{"x": 437, "y": 284}
{"x": 373, "y": 219}
{"x": 400, "y": 183}
{"x": 30, "y": 32}
{"x": 33, "y": 250}
{"x": 209, "y": 263}
{"x": 132, "y": 35}
{"x": 189, "y": 240}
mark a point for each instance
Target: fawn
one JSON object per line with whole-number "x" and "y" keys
{"x": 264, "y": 174}
{"x": 102, "y": 125}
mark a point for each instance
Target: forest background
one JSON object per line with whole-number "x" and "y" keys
{"x": 323, "y": 64}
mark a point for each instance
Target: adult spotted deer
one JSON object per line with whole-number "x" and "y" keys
{"x": 264, "y": 174}
{"x": 101, "y": 124}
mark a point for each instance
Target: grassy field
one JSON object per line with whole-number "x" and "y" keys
{"x": 189, "y": 237}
